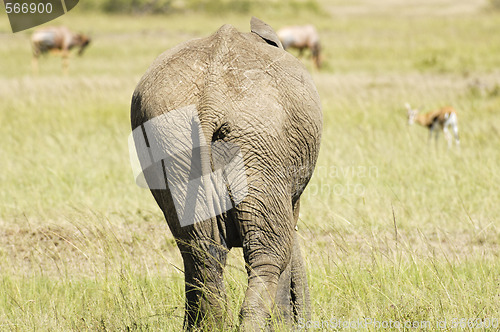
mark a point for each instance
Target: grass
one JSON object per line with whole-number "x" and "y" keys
{"x": 392, "y": 227}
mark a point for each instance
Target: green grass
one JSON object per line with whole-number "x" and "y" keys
{"x": 392, "y": 227}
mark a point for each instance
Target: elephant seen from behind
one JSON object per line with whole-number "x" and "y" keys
{"x": 227, "y": 130}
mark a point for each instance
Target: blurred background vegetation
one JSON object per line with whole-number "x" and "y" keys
{"x": 495, "y": 4}
{"x": 211, "y": 6}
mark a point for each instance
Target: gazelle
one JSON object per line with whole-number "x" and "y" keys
{"x": 445, "y": 117}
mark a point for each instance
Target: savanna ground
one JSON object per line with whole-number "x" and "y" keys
{"x": 393, "y": 228}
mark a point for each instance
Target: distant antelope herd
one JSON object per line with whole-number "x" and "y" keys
{"x": 57, "y": 40}
{"x": 445, "y": 118}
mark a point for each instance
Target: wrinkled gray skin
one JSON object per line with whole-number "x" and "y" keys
{"x": 250, "y": 92}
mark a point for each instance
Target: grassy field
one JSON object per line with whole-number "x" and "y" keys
{"x": 393, "y": 228}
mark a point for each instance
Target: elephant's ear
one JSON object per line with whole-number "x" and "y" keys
{"x": 265, "y": 32}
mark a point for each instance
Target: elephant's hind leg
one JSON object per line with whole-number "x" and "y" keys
{"x": 267, "y": 237}
{"x": 300, "y": 299}
{"x": 283, "y": 310}
{"x": 292, "y": 298}
{"x": 299, "y": 288}
{"x": 206, "y": 307}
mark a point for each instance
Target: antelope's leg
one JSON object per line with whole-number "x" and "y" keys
{"x": 447, "y": 135}
{"x": 455, "y": 133}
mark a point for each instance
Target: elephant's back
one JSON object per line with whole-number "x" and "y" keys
{"x": 261, "y": 96}
{"x": 229, "y": 69}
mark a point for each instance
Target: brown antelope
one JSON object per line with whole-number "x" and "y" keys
{"x": 444, "y": 117}
{"x": 59, "y": 40}
{"x": 302, "y": 37}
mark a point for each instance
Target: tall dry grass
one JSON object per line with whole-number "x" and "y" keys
{"x": 392, "y": 227}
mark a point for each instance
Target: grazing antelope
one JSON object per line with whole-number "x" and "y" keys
{"x": 56, "y": 39}
{"x": 444, "y": 117}
{"x": 302, "y": 37}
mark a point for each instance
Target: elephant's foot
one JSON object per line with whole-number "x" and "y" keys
{"x": 300, "y": 299}
{"x": 283, "y": 310}
{"x": 292, "y": 298}
{"x": 259, "y": 298}
{"x": 206, "y": 307}
{"x": 207, "y": 315}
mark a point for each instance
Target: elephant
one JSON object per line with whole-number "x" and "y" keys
{"x": 227, "y": 129}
